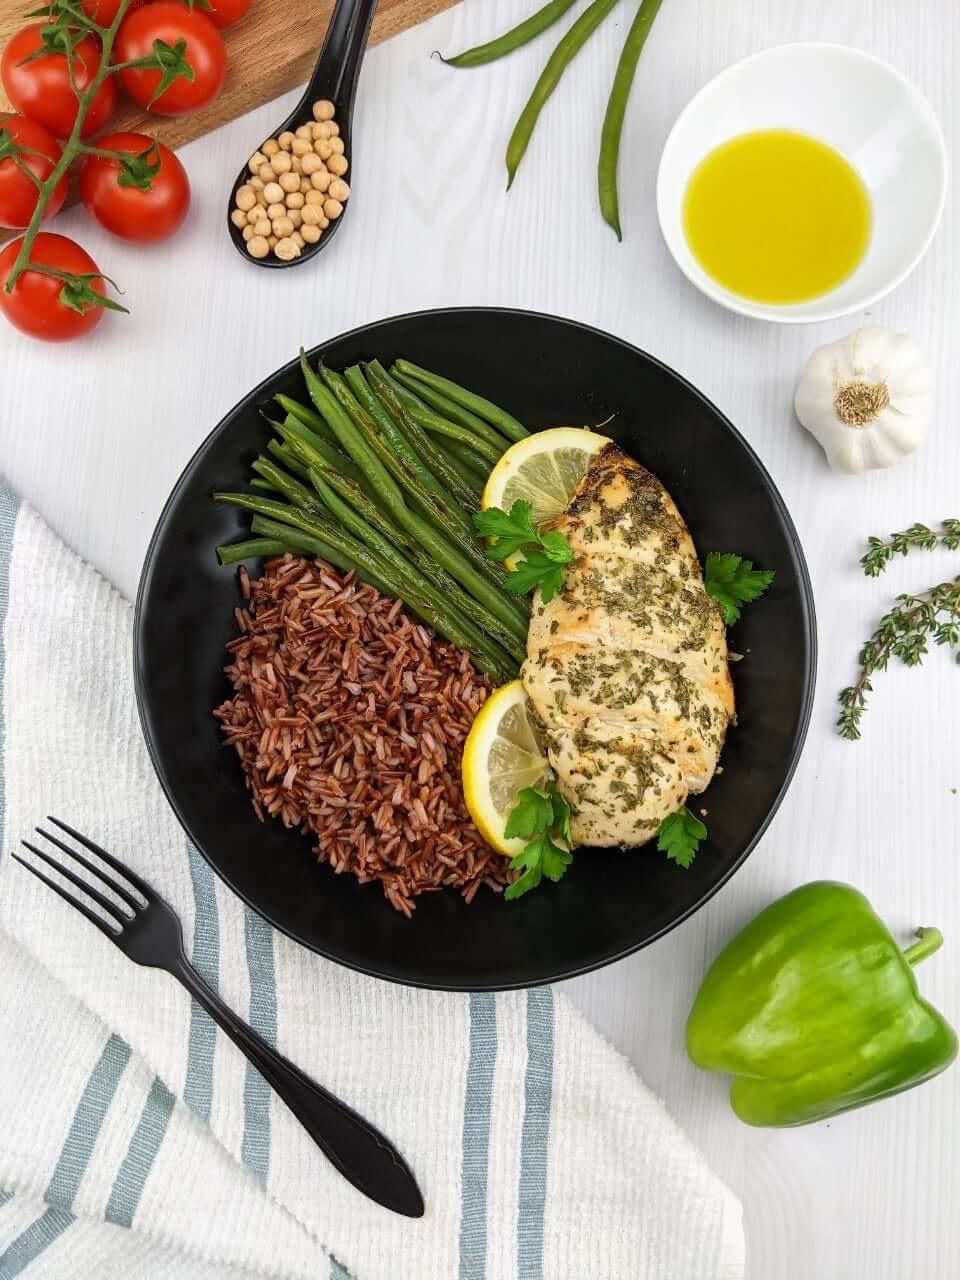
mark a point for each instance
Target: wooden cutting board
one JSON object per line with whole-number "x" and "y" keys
{"x": 271, "y": 49}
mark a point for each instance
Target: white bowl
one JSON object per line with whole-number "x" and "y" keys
{"x": 864, "y": 109}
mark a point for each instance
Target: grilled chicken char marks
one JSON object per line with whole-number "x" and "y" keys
{"x": 627, "y": 665}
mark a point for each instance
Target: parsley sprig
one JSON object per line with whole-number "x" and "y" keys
{"x": 544, "y": 554}
{"x": 679, "y": 836}
{"x": 538, "y": 817}
{"x": 734, "y": 582}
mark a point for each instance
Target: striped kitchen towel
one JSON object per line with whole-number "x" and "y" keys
{"x": 135, "y": 1141}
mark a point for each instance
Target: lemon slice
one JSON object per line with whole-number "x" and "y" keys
{"x": 501, "y": 756}
{"x": 544, "y": 469}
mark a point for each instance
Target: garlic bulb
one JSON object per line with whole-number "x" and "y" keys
{"x": 866, "y": 398}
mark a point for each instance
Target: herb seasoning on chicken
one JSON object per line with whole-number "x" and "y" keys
{"x": 627, "y": 665}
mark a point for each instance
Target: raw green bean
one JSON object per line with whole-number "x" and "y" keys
{"x": 567, "y": 49}
{"x": 427, "y": 565}
{"x": 452, "y": 411}
{"x": 307, "y": 416}
{"x": 378, "y": 428}
{"x": 616, "y": 109}
{"x": 469, "y": 574}
{"x": 291, "y": 489}
{"x": 296, "y": 540}
{"x": 436, "y": 424}
{"x": 251, "y": 549}
{"x": 463, "y": 491}
{"x": 284, "y": 454}
{"x": 450, "y": 621}
{"x": 520, "y": 35}
{"x": 486, "y": 409}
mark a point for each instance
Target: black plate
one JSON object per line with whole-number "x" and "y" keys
{"x": 548, "y": 372}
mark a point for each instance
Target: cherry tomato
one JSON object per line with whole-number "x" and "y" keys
{"x": 35, "y": 305}
{"x": 169, "y": 22}
{"x": 125, "y": 208}
{"x": 18, "y": 195}
{"x": 41, "y": 89}
{"x": 223, "y": 13}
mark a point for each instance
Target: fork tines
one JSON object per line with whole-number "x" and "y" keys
{"x": 115, "y": 914}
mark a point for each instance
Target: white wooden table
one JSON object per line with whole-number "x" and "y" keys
{"x": 95, "y": 434}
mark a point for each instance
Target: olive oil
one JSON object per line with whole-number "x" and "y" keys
{"x": 777, "y": 216}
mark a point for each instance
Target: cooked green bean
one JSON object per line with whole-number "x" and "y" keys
{"x": 264, "y": 486}
{"x": 616, "y": 109}
{"x": 520, "y": 35}
{"x": 250, "y": 549}
{"x": 309, "y": 417}
{"x": 297, "y": 540}
{"x": 284, "y": 454}
{"x": 466, "y": 570}
{"x": 387, "y": 437}
{"x": 472, "y": 462}
{"x": 464, "y": 491}
{"x": 486, "y": 409}
{"x": 436, "y": 424}
{"x": 291, "y": 489}
{"x": 566, "y": 50}
{"x": 450, "y": 410}
{"x": 451, "y": 623}
{"x": 427, "y": 565}
{"x": 334, "y": 456}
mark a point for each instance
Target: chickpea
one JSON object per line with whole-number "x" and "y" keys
{"x": 247, "y": 233}
{"x": 301, "y": 146}
{"x": 258, "y": 247}
{"x": 334, "y": 129}
{"x": 311, "y": 163}
{"x": 285, "y": 140}
{"x": 297, "y": 166}
{"x": 303, "y": 133}
{"x": 310, "y": 216}
{"x": 323, "y": 148}
{"x": 323, "y": 131}
{"x": 332, "y": 208}
{"x": 296, "y": 217}
{"x": 294, "y": 200}
{"x": 305, "y": 186}
{"x": 281, "y": 163}
{"x": 315, "y": 199}
{"x": 276, "y": 210}
{"x": 271, "y": 241}
{"x": 257, "y": 183}
{"x": 338, "y": 190}
{"x": 282, "y": 227}
{"x": 267, "y": 173}
{"x": 287, "y": 249}
{"x": 273, "y": 193}
{"x": 320, "y": 180}
{"x": 297, "y": 239}
{"x": 323, "y": 223}
{"x": 255, "y": 214}
{"x": 338, "y": 165}
{"x": 336, "y": 145}
{"x": 256, "y": 161}
{"x": 262, "y": 227}
{"x": 310, "y": 232}
{"x": 289, "y": 182}
{"x": 323, "y": 110}
{"x": 261, "y": 199}
{"x": 270, "y": 147}
{"x": 239, "y": 218}
{"x": 246, "y": 197}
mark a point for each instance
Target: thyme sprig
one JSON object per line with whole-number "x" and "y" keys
{"x": 918, "y": 537}
{"x": 906, "y": 632}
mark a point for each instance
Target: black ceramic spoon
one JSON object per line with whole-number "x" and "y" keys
{"x": 335, "y": 79}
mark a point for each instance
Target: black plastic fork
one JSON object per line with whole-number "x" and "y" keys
{"x": 147, "y": 931}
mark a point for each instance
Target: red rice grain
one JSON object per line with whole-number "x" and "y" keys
{"x": 349, "y": 720}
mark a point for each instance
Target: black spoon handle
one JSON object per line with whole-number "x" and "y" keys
{"x": 362, "y": 1154}
{"x": 338, "y": 67}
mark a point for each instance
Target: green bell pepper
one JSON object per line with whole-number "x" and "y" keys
{"x": 814, "y": 1009}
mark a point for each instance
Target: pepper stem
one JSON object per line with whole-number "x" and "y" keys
{"x": 928, "y": 941}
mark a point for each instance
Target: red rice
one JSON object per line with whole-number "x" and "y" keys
{"x": 349, "y": 720}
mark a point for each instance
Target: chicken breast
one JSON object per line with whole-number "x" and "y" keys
{"x": 627, "y": 665}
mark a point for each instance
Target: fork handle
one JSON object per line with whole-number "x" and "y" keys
{"x": 352, "y": 1145}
